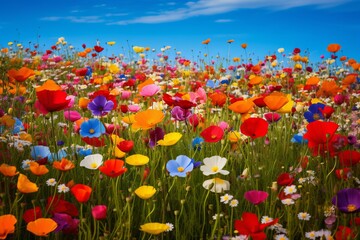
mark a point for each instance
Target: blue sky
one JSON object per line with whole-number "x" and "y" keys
{"x": 265, "y": 25}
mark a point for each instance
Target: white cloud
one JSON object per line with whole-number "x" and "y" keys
{"x": 214, "y": 7}
{"x": 223, "y": 20}
{"x": 81, "y": 19}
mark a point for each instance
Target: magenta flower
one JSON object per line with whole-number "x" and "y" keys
{"x": 272, "y": 117}
{"x": 100, "y": 106}
{"x": 99, "y": 212}
{"x": 72, "y": 115}
{"x": 180, "y": 114}
{"x": 256, "y": 197}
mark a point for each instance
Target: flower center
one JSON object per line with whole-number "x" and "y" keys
{"x": 316, "y": 116}
{"x": 94, "y": 165}
{"x": 351, "y": 207}
{"x": 180, "y": 169}
{"x": 91, "y": 130}
{"x": 213, "y": 136}
{"x": 215, "y": 169}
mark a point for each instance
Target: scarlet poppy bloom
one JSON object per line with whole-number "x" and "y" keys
{"x": 113, "y": 168}
{"x": 212, "y": 134}
{"x": 327, "y": 111}
{"x": 218, "y": 98}
{"x": 207, "y": 41}
{"x": 343, "y": 233}
{"x": 126, "y": 145}
{"x": 20, "y": 75}
{"x": 32, "y": 214}
{"x": 51, "y": 97}
{"x": 249, "y": 225}
{"x": 254, "y": 127}
{"x": 81, "y": 192}
{"x": 343, "y": 173}
{"x": 319, "y": 134}
{"x": 94, "y": 141}
{"x": 98, "y": 49}
{"x": 285, "y": 179}
{"x": 59, "y": 205}
{"x": 349, "y": 158}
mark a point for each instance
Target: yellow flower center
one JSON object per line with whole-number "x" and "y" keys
{"x": 351, "y": 207}
{"x": 316, "y": 116}
{"x": 215, "y": 168}
{"x": 180, "y": 169}
{"x": 94, "y": 165}
{"x": 213, "y": 136}
{"x": 91, "y": 131}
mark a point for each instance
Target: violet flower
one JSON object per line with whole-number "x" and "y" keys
{"x": 156, "y": 135}
{"x": 100, "y": 106}
{"x": 347, "y": 200}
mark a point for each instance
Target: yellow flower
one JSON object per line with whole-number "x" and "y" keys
{"x": 154, "y": 228}
{"x": 114, "y": 68}
{"x": 287, "y": 108}
{"x": 235, "y": 136}
{"x": 111, "y": 43}
{"x": 138, "y": 49}
{"x": 145, "y": 192}
{"x": 116, "y": 151}
{"x": 137, "y": 160}
{"x": 170, "y": 139}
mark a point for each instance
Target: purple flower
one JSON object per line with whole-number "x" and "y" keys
{"x": 179, "y": 113}
{"x": 347, "y": 200}
{"x": 156, "y": 135}
{"x": 100, "y": 106}
{"x": 256, "y": 197}
{"x": 66, "y": 223}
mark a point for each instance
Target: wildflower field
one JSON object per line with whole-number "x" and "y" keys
{"x": 154, "y": 145}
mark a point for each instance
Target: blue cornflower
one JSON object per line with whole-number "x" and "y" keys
{"x": 92, "y": 128}
{"x": 314, "y": 113}
{"x": 197, "y": 143}
{"x": 180, "y": 166}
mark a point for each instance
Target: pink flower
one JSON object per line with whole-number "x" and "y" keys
{"x": 99, "y": 212}
{"x": 256, "y": 197}
{"x": 72, "y": 115}
{"x": 149, "y": 90}
{"x": 125, "y": 95}
{"x": 134, "y": 108}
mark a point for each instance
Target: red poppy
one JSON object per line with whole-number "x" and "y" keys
{"x": 327, "y": 111}
{"x": 254, "y": 127}
{"x": 32, "y": 214}
{"x": 59, "y": 205}
{"x": 113, "y": 168}
{"x": 259, "y": 101}
{"x": 212, "y": 134}
{"x": 343, "y": 233}
{"x": 343, "y": 173}
{"x": 98, "y": 49}
{"x": 96, "y": 142}
{"x": 126, "y": 145}
{"x": 81, "y": 71}
{"x": 285, "y": 179}
{"x": 53, "y": 101}
{"x": 349, "y": 158}
{"x": 319, "y": 134}
{"x": 249, "y": 225}
{"x": 81, "y": 192}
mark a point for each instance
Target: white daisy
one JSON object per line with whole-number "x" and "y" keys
{"x": 51, "y": 182}
{"x": 62, "y": 188}
{"x": 226, "y": 198}
{"x": 304, "y": 216}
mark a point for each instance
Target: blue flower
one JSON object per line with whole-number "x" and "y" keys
{"x": 213, "y": 84}
{"x": 92, "y": 128}
{"x": 179, "y": 167}
{"x": 314, "y": 113}
{"x": 60, "y": 154}
{"x": 197, "y": 143}
{"x": 298, "y": 138}
{"x": 85, "y": 152}
{"x": 18, "y": 126}
{"x": 39, "y": 152}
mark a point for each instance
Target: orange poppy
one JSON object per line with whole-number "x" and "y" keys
{"x": 333, "y": 47}
{"x": 275, "y": 101}
{"x": 7, "y": 170}
{"x": 82, "y": 54}
{"x": 81, "y": 192}
{"x": 206, "y": 41}
{"x": 255, "y": 80}
{"x": 24, "y": 185}
{"x": 49, "y": 85}
{"x": 256, "y": 69}
{"x": 355, "y": 66}
{"x": 242, "y": 106}
{"x": 343, "y": 58}
{"x": 312, "y": 81}
{"x": 63, "y": 165}
{"x": 244, "y": 45}
{"x": 20, "y": 75}
{"x": 328, "y": 89}
{"x": 42, "y": 226}
{"x": 7, "y": 225}
{"x": 218, "y": 98}
{"x": 147, "y": 119}
{"x": 38, "y": 169}
{"x": 230, "y": 41}
{"x": 349, "y": 79}
{"x": 296, "y": 58}
{"x": 351, "y": 61}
